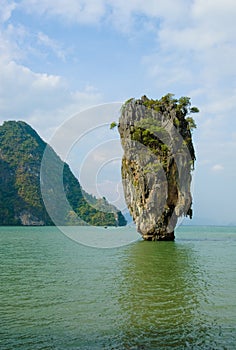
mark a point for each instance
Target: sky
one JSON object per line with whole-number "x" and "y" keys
{"x": 60, "y": 57}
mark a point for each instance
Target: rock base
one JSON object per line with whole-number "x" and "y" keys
{"x": 159, "y": 236}
{"x": 157, "y": 163}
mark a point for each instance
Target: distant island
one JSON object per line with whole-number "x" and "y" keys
{"x": 157, "y": 162}
{"x": 21, "y": 202}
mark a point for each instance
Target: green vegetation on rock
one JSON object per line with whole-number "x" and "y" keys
{"x": 149, "y": 130}
{"x": 21, "y": 203}
{"x": 113, "y": 125}
{"x": 157, "y": 162}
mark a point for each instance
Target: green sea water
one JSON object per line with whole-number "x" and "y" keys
{"x": 58, "y": 294}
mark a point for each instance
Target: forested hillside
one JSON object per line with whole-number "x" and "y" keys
{"x": 21, "y": 203}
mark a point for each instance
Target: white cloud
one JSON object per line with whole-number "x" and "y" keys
{"x": 11, "y": 41}
{"x": 82, "y": 11}
{"x": 41, "y": 99}
{"x": 200, "y": 21}
{"x": 217, "y": 167}
{"x": 120, "y": 13}
{"x": 194, "y": 40}
{"x": 197, "y": 59}
{"x": 6, "y": 9}
{"x": 20, "y": 43}
{"x": 26, "y": 88}
{"x": 207, "y": 24}
{"x": 51, "y": 44}
{"x": 192, "y": 52}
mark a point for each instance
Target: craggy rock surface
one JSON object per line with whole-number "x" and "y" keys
{"x": 157, "y": 163}
{"x": 22, "y": 200}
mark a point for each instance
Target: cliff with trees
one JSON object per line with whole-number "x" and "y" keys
{"x": 21, "y": 202}
{"x": 157, "y": 162}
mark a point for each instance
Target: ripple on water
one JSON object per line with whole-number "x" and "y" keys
{"x": 166, "y": 295}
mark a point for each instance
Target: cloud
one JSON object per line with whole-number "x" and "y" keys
{"x": 82, "y": 11}
{"x": 27, "y": 89}
{"x": 195, "y": 56}
{"x": 217, "y": 167}
{"x": 40, "y": 98}
{"x": 178, "y": 21}
{"x": 204, "y": 42}
{"x": 121, "y": 14}
{"x": 206, "y": 25}
{"x": 51, "y": 44}
{"x": 193, "y": 42}
{"x": 6, "y": 9}
{"x": 11, "y": 38}
{"x": 43, "y": 100}
{"x": 193, "y": 49}
{"x": 185, "y": 47}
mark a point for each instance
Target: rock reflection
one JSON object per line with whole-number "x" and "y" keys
{"x": 162, "y": 289}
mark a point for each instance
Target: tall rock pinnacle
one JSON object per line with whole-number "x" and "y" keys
{"x": 157, "y": 162}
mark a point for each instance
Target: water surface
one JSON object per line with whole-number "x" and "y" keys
{"x": 57, "y": 294}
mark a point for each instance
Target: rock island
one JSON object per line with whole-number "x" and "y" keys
{"x": 157, "y": 162}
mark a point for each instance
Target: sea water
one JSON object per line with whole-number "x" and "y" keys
{"x": 58, "y": 294}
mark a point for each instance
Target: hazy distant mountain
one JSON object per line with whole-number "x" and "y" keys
{"x": 203, "y": 221}
{"x": 21, "y": 203}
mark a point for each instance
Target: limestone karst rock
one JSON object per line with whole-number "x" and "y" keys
{"x": 157, "y": 162}
{"x": 33, "y": 191}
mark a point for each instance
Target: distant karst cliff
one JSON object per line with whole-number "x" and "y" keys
{"x": 21, "y": 202}
{"x": 157, "y": 162}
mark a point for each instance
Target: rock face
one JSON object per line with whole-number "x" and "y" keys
{"x": 157, "y": 163}
{"x": 21, "y": 183}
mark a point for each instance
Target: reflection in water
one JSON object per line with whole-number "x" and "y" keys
{"x": 149, "y": 295}
{"x": 162, "y": 288}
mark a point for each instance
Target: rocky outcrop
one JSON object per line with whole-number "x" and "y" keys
{"x": 22, "y": 201}
{"x": 27, "y": 219}
{"x": 157, "y": 163}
